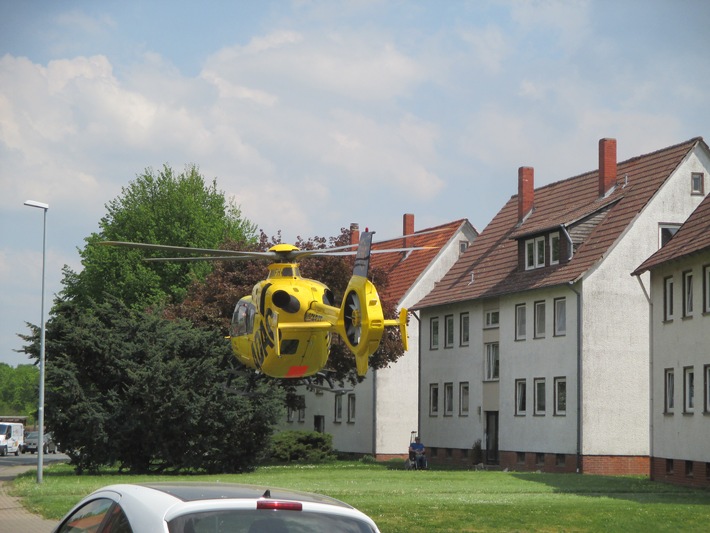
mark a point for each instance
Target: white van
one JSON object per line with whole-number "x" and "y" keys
{"x": 12, "y": 438}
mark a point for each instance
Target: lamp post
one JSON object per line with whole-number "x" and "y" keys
{"x": 40, "y": 410}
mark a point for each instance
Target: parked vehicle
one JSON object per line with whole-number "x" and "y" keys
{"x": 12, "y": 438}
{"x": 211, "y": 508}
{"x": 32, "y": 439}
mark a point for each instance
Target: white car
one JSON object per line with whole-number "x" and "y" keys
{"x": 211, "y": 508}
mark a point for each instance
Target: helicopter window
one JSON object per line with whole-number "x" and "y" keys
{"x": 290, "y": 271}
{"x": 289, "y": 346}
{"x": 243, "y": 318}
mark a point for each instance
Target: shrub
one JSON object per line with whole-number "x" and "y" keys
{"x": 302, "y": 447}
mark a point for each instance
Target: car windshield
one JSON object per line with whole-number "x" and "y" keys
{"x": 257, "y": 521}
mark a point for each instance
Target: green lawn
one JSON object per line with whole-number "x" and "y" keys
{"x": 442, "y": 500}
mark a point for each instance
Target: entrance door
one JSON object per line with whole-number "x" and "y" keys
{"x": 319, "y": 423}
{"x": 492, "y": 437}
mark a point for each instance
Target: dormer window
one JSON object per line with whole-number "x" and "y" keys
{"x": 554, "y": 248}
{"x": 535, "y": 253}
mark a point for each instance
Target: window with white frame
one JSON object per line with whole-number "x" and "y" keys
{"x": 448, "y": 399}
{"x": 539, "y": 319}
{"x": 448, "y": 331}
{"x": 688, "y": 389}
{"x": 492, "y": 319}
{"x": 434, "y": 333}
{"x": 463, "y": 246}
{"x": 492, "y": 361}
{"x": 338, "y": 411}
{"x": 554, "y": 248}
{"x": 539, "y": 393}
{"x": 520, "y": 327}
{"x": 351, "y": 408}
{"x": 668, "y": 298}
{"x": 687, "y": 294}
{"x": 463, "y": 329}
{"x": 529, "y": 254}
{"x": 520, "y": 397}
{"x": 706, "y": 289}
{"x": 463, "y": 398}
{"x": 706, "y": 388}
{"x": 560, "y": 396}
{"x": 540, "y": 252}
{"x": 666, "y": 232}
{"x": 433, "y": 399}
{"x": 535, "y": 253}
{"x": 560, "y": 317}
{"x": 669, "y": 390}
{"x": 697, "y": 185}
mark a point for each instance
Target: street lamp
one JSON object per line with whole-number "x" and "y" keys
{"x": 40, "y": 411}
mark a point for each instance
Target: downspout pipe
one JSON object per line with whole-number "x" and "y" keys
{"x": 579, "y": 376}
{"x": 419, "y": 371}
{"x": 570, "y": 249}
{"x": 650, "y": 369}
{"x": 374, "y": 413}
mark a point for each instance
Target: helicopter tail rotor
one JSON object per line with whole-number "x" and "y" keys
{"x": 361, "y": 322}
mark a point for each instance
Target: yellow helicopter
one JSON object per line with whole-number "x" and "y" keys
{"x": 284, "y": 328}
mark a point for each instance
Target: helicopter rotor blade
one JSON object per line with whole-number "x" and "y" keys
{"x": 209, "y": 253}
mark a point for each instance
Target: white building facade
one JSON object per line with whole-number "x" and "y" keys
{"x": 680, "y": 353}
{"x": 556, "y": 370}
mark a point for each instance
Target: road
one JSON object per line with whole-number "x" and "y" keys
{"x": 29, "y": 459}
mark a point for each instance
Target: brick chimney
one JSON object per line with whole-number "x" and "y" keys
{"x": 607, "y": 165}
{"x": 526, "y": 191}
{"x": 354, "y": 233}
{"x": 407, "y": 228}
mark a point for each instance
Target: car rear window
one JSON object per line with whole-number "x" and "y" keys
{"x": 257, "y": 521}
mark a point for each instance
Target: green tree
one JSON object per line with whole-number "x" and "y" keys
{"x": 157, "y": 208}
{"x": 124, "y": 384}
{"x": 132, "y": 388}
{"x": 18, "y": 390}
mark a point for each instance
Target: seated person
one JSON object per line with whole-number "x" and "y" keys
{"x": 416, "y": 453}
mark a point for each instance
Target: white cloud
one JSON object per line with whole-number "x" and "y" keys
{"x": 355, "y": 66}
{"x": 490, "y": 47}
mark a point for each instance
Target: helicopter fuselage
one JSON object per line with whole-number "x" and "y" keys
{"x": 284, "y": 328}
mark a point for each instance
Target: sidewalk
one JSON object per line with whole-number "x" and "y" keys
{"x": 13, "y": 516}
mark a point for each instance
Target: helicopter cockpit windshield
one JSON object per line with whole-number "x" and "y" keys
{"x": 287, "y": 271}
{"x": 243, "y": 318}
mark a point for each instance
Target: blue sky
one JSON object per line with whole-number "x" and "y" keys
{"x": 316, "y": 114}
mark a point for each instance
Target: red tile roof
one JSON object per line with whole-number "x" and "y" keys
{"x": 691, "y": 238}
{"x": 492, "y": 260}
{"x": 404, "y": 268}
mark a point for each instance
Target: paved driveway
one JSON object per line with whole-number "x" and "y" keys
{"x": 14, "y": 517}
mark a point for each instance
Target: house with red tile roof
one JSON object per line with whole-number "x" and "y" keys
{"x": 680, "y": 351}
{"x": 377, "y": 416}
{"x": 553, "y": 372}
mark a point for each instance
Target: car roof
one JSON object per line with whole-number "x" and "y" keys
{"x": 195, "y": 491}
